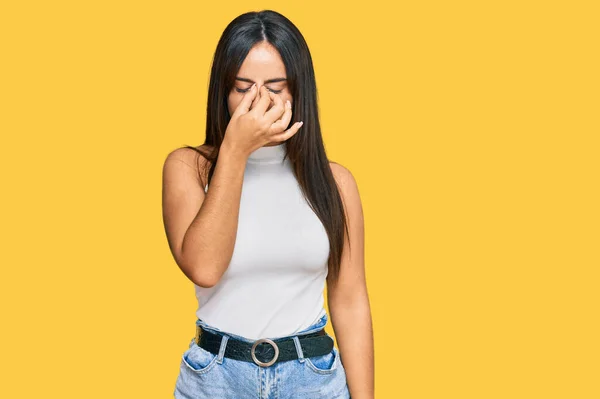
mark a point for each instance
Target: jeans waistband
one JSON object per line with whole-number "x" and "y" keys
{"x": 316, "y": 326}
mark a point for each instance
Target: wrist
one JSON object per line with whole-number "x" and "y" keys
{"x": 230, "y": 152}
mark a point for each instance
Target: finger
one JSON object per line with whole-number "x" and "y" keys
{"x": 280, "y": 137}
{"x": 276, "y": 110}
{"x": 283, "y": 123}
{"x": 255, "y": 101}
{"x": 244, "y": 105}
{"x": 263, "y": 102}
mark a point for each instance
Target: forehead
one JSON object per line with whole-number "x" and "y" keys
{"x": 262, "y": 62}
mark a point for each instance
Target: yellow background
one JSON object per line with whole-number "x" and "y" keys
{"x": 472, "y": 130}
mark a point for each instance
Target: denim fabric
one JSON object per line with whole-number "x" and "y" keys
{"x": 205, "y": 375}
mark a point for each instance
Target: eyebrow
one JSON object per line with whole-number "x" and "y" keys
{"x": 274, "y": 80}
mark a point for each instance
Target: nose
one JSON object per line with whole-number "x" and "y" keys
{"x": 258, "y": 87}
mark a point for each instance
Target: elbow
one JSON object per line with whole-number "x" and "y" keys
{"x": 201, "y": 272}
{"x": 195, "y": 273}
{"x": 203, "y": 277}
{"x": 204, "y": 282}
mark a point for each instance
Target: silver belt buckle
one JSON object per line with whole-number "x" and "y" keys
{"x": 270, "y": 362}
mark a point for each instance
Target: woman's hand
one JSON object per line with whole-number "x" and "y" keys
{"x": 250, "y": 129}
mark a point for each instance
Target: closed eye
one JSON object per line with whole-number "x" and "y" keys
{"x": 245, "y": 90}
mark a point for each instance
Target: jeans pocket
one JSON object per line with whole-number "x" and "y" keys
{"x": 198, "y": 359}
{"x": 324, "y": 364}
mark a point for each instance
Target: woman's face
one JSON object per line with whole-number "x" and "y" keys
{"x": 262, "y": 65}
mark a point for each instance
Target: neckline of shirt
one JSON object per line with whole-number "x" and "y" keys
{"x": 268, "y": 154}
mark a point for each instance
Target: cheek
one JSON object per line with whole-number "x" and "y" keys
{"x": 284, "y": 97}
{"x": 287, "y": 96}
{"x": 232, "y": 102}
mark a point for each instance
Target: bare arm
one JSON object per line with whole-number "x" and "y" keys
{"x": 201, "y": 227}
{"x": 348, "y": 300}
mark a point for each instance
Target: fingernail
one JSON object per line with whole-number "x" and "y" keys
{"x": 253, "y": 86}
{"x": 288, "y": 104}
{"x": 301, "y": 123}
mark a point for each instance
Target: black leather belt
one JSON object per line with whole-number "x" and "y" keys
{"x": 265, "y": 351}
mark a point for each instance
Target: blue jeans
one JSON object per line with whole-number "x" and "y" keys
{"x": 205, "y": 375}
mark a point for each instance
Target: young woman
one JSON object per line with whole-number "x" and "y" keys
{"x": 259, "y": 220}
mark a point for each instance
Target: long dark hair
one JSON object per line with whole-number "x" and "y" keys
{"x": 305, "y": 149}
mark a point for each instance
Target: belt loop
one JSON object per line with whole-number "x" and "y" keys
{"x": 298, "y": 348}
{"x": 224, "y": 340}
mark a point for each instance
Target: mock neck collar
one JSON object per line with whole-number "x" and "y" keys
{"x": 268, "y": 154}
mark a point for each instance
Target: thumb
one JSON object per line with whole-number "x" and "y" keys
{"x": 244, "y": 105}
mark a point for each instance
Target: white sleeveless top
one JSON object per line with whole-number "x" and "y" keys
{"x": 274, "y": 284}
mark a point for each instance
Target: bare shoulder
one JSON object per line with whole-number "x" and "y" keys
{"x": 350, "y": 196}
{"x": 190, "y": 155}
{"x": 194, "y": 157}
{"x": 342, "y": 175}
